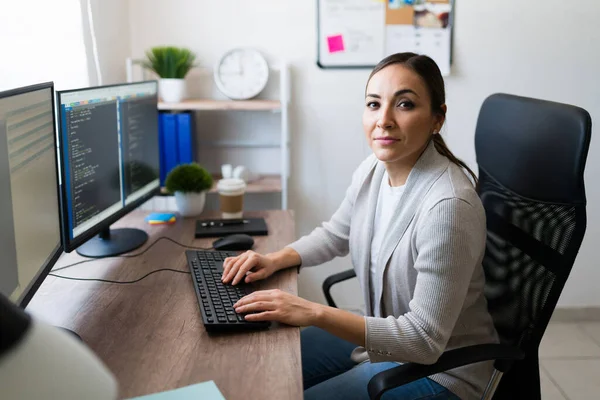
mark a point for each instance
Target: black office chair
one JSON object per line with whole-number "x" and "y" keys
{"x": 531, "y": 156}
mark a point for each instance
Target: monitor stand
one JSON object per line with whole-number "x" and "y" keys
{"x": 112, "y": 242}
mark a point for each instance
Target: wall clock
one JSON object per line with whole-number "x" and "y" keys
{"x": 241, "y": 73}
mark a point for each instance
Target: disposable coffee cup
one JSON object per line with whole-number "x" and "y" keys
{"x": 231, "y": 197}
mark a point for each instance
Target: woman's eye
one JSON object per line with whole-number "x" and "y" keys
{"x": 406, "y": 104}
{"x": 372, "y": 104}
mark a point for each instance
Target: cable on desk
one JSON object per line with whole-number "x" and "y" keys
{"x": 134, "y": 255}
{"x": 118, "y": 282}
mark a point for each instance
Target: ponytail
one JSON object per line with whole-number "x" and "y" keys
{"x": 442, "y": 148}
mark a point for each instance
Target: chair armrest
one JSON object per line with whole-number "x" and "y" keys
{"x": 451, "y": 359}
{"x": 332, "y": 280}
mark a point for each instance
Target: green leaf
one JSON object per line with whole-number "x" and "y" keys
{"x": 188, "y": 178}
{"x": 169, "y": 61}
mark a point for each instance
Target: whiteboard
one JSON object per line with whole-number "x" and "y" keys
{"x": 360, "y": 33}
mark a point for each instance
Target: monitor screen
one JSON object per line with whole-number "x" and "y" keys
{"x": 109, "y": 155}
{"x": 29, "y": 200}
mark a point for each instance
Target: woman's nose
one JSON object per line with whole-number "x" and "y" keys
{"x": 386, "y": 119}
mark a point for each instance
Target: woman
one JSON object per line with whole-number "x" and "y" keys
{"x": 415, "y": 229}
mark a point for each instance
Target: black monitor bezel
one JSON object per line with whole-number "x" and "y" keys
{"x": 26, "y": 296}
{"x": 71, "y": 244}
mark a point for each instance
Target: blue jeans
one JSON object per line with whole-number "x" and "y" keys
{"x": 329, "y": 373}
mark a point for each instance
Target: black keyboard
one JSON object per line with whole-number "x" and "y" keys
{"x": 215, "y": 298}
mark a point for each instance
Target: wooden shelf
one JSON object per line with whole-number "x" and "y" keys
{"x": 265, "y": 184}
{"x": 239, "y": 144}
{"x": 208, "y": 105}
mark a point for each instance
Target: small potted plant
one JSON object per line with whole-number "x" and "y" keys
{"x": 189, "y": 183}
{"x": 171, "y": 64}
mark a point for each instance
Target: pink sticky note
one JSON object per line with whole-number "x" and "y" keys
{"x": 335, "y": 43}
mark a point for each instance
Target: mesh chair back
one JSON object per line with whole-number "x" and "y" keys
{"x": 531, "y": 156}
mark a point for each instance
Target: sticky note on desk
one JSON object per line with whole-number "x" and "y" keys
{"x": 205, "y": 391}
{"x": 335, "y": 43}
{"x": 160, "y": 218}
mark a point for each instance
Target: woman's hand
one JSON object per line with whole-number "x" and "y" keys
{"x": 258, "y": 266}
{"x": 277, "y": 305}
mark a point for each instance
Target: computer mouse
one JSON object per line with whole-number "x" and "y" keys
{"x": 238, "y": 241}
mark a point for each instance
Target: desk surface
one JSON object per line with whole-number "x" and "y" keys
{"x": 150, "y": 334}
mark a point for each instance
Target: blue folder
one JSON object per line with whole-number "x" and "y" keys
{"x": 161, "y": 150}
{"x": 169, "y": 142}
{"x": 184, "y": 138}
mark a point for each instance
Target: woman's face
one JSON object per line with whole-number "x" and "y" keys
{"x": 398, "y": 120}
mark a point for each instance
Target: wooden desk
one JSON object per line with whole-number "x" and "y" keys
{"x": 150, "y": 334}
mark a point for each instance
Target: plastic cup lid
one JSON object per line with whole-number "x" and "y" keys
{"x": 231, "y": 185}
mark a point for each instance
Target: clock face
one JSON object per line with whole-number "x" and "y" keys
{"x": 242, "y": 74}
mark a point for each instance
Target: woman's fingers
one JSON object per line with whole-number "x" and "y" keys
{"x": 259, "y": 295}
{"x": 227, "y": 264}
{"x": 246, "y": 266}
{"x": 256, "y": 276}
{"x": 263, "y": 316}
{"x": 233, "y": 267}
{"x": 257, "y": 306}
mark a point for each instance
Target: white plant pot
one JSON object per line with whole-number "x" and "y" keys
{"x": 190, "y": 204}
{"x": 171, "y": 90}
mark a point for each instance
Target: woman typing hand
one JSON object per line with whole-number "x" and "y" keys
{"x": 251, "y": 266}
{"x": 277, "y": 305}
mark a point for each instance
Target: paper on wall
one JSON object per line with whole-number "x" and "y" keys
{"x": 359, "y": 24}
{"x": 363, "y": 32}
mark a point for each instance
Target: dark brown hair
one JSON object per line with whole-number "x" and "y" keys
{"x": 430, "y": 73}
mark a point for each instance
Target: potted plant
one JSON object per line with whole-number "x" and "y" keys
{"x": 189, "y": 183}
{"x": 171, "y": 64}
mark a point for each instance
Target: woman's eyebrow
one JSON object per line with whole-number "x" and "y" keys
{"x": 398, "y": 93}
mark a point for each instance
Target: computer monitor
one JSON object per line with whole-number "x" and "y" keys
{"x": 109, "y": 164}
{"x": 29, "y": 200}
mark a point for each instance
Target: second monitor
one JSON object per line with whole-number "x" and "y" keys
{"x": 109, "y": 159}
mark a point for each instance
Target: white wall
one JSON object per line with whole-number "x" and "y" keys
{"x": 41, "y": 41}
{"x": 545, "y": 49}
{"x": 539, "y": 48}
{"x": 110, "y": 24}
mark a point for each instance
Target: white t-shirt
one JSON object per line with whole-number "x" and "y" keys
{"x": 387, "y": 205}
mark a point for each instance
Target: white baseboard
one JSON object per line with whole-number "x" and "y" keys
{"x": 576, "y": 314}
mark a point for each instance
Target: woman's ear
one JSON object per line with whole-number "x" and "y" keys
{"x": 441, "y": 118}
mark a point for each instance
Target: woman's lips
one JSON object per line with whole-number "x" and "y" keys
{"x": 386, "y": 141}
